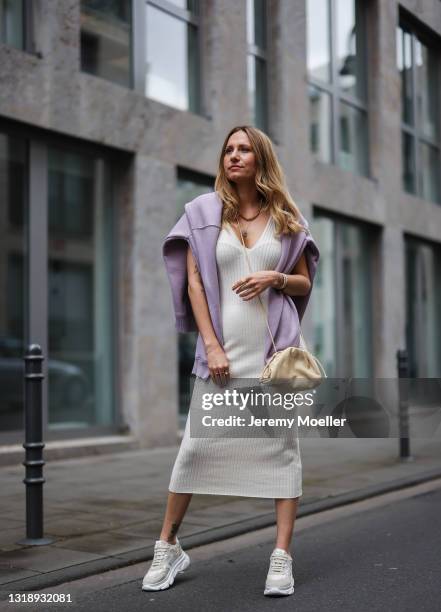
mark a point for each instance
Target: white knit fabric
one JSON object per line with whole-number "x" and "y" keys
{"x": 251, "y": 467}
{"x": 243, "y": 322}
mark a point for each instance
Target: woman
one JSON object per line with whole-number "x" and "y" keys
{"x": 215, "y": 293}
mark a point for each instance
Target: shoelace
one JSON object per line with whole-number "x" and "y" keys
{"x": 278, "y": 564}
{"x": 160, "y": 553}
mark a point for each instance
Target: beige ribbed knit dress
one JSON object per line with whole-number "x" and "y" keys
{"x": 253, "y": 466}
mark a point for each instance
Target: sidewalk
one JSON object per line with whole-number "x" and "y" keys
{"x": 106, "y": 511}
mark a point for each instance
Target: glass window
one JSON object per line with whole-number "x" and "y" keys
{"x": 337, "y": 67}
{"x": 408, "y": 165}
{"x": 429, "y": 172}
{"x": 324, "y": 301}
{"x": 427, "y": 68}
{"x": 106, "y": 39}
{"x": 173, "y": 56}
{"x": 320, "y": 123}
{"x": 13, "y": 272}
{"x": 257, "y": 62}
{"x": 418, "y": 64}
{"x": 349, "y": 48}
{"x": 342, "y": 312}
{"x": 353, "y": 139}
{"x": 423, "y": 326}
{"x": 318, "y": 40}
{"x": 189, "y": 186}
{"x": 12, "y": 23}
{"x": 404, "y": 63}
{"x": 80, "y": 274}
{"x": 355, "y": 269}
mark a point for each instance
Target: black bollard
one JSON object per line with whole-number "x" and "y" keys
{"x": 403, "y": 412}
{"x": 34, "y": 447}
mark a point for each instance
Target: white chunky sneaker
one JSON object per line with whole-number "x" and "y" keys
{"x": 279, "y": 580}
{"x": 168, "y": 560}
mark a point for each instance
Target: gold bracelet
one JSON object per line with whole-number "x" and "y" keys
{"x": 284, "y": 281}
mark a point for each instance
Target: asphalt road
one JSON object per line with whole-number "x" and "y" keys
{"x": 381, "y": 558}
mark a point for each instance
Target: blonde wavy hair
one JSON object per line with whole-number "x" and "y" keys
{"x": 270, "y": 184}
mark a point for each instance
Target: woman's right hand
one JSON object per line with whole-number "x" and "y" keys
{"x": 218, "y": 364}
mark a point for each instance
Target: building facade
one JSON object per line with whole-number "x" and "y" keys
{"x": 112, "y": 116}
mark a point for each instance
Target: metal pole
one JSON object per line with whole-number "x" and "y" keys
{"x": 34, "y": 446}
{"x": 403, "y": 412}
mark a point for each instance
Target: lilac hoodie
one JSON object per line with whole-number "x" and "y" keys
{"x": 199, "y": 227}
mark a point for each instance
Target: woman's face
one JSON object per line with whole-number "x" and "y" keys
{"x": 239, "y": 158}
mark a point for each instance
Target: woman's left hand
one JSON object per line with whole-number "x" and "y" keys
{"x": 250, "y": 286}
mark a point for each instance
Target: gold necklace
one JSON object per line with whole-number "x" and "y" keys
{"x": 245, "y": 232}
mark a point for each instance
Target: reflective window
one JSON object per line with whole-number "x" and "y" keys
{"x": 257, "y": 62}
{"x": 408, "y": 165}
{"x": 337, "y": 70}
{"x": 418, "y": 64}
{"x": 106, "y": 39}
{"x": 423, "y": 326}
{"x": 404, "y": 63}
{"x": 320, "y": 123}
{"x": 80, "y": 274}
{"x": 13, "y": 272}
{"x": 189, "y": 186}
{"x": 342, "y": 312}
{"x": 353, "y": 139}
{"x": 172, "y": 61}
{"x": 429, "y": 172}
{"x": 318, "y": 40}
{"x": 427, "y": 67}
{"x": 12, "y": 23}
{"x": 349, "y": 41}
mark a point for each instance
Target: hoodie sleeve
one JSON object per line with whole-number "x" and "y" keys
{"x": 174, "y": 252}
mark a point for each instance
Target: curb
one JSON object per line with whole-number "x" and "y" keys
{"x": 212, "y": 534}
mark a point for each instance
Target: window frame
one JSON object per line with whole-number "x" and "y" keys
{"x": 414, "y": 131}
{"x": 36, "y": 309}
{"x": 258, "y": 53}
{"x": 139, "y": 44}
{"x": 333, "y": 90}
{"x": 370, "y": 232}
{"x": 138, "y": 49}
{"x": 27, "y": 30}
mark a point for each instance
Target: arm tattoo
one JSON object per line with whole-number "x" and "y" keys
{"x": 197, "y": 273}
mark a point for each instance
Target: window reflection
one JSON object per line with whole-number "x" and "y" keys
{"x": 318, "y": 40}
{"x": 79, "y": 292}
{"x": 106, "y": 39}
{"x": 404, "y": 63}
{"x": 337, "y": 69}
{"x": 172, "y": 60}
{"x": 418, "y": 64}
{"x": 408, "y": 163}
{"x": 349, "y": 48}
{"x": 353, "y": 139}
{"x": 427, "y": 89}
{"x": 257, "y": 62}
{"x": 13, "y": 251}
{"x": 320, "y": 123}
{"x": 12, "y": 23}
{"x": 342, "y": 312}
{"x": 423, "y": 307}
{"x": 430, "y": 174}
{"x": 324, "y": 299}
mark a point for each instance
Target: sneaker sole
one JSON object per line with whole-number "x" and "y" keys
{"x": 279, "y": 591}
{"x": 179, "y": 566}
